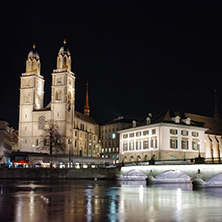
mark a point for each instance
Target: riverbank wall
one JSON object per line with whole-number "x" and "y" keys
{"x": 56, "y": 173}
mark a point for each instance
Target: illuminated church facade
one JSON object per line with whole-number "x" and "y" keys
{"x": 79, "y": 132}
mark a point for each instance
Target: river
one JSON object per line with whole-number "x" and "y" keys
{"x": 105, "y": 200}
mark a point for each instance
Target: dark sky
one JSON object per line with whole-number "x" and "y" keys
{"x": 138, "y": 56}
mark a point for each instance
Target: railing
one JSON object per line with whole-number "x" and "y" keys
{"x": 64, "y": 166}
{"x": 215, "y": 160}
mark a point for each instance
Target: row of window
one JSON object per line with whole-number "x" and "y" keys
{"x": 152, "y": 143}
{"x": 60, "y": 81}
{"x": 139, "y": 133}
{"x": 184, "y": 144}
{"x": 138, "y": 158}
{"x": 110, "y": 150}
{"x": 81, "y": 136}
{"x": 69, "y": 141}
{"x": 109, "y": 143}
{"x": 110, "y": 136}
{"x": 110, "y": 130}
{"x": 140, "y": 144}
{"x": 82, "y": 126}
{"x": 184, "y": 132}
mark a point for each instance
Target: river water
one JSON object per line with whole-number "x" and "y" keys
{"x": 90, "y": 200}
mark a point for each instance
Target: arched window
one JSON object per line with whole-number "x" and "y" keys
{"x": 131, "y": 158}
{"x": 27, "y": 98}
{"x": 59, "y": 81}
{"x": 59, "y": 95}
{"x": 41, "y": 122}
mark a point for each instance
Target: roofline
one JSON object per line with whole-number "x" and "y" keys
{"x": 163, "y": 124}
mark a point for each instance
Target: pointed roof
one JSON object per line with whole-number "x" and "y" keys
{"x": 64, "y": 50}
{"x": 33, "y": 54}
{"x": 168, "y": 116}
{"x": 213, "y": 125}
{"x": 86, "y": 107}
{"x": 84, "y": 117}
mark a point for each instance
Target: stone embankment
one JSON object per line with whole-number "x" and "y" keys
{"x": 56, "y": 173}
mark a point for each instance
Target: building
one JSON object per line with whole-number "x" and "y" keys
{"x": 79, "y": 132}
{"x": 213, "y": 135}
{"x": 6, "y": 133}
{"x": 171, "y": 135}
{"x": 109, "y": 137}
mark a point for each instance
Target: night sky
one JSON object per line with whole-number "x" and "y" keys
{"x": 138, "y": 56}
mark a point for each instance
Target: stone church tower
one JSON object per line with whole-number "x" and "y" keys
{"x": 79, "y": 132}
{"x": 31, "y": 98}
{"x": 63, "y": 94}
{"x": 32, "y": 116}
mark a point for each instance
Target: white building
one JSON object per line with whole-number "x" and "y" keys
{"x": 34, "y": 118}
{"x": 170, "y": 135}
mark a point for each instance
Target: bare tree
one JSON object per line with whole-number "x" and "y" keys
{"x": 52, "y": 140}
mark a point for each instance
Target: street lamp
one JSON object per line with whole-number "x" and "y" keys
{"x": 151, "y": 152}
{"x": 184, "y": 155}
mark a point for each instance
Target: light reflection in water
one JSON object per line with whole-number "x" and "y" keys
{"x": 58, "y": 201}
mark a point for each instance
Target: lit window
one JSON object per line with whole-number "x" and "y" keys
{"x": 138, "y": 134}
{"x": 153, "y": 142}
{"x": 131, "y": 145}
{"x": 173, "y": 131}
{"x": 184, "y": 144}
{"x": 173, "y": 143}
{"x": 125, "y": 136}
{"x": 146, "y": 132}
{"x": 153, "y": 131}
{"x": 146, "y": 144}
{"x": 195, "y": 144}
{"x": 184, "y": 132}
{"x": 138, "y": 144}
{"x": 131, "y": 135}
{"x": 195, "y": 134}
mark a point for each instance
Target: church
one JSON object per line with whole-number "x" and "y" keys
{"x": 78, "y": 131}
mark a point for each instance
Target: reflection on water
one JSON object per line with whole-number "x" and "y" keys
{"x": 88, "y": 200}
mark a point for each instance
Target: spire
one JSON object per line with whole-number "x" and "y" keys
{"x": 216, "y": 114}
{"x": 33, "y": 61}
{"x": 86, "y": 107}
{"x": 64, "y": 57}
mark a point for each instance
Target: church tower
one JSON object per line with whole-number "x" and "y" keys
{"x": 31, "y": 98}
{"x": 63, "y": 96}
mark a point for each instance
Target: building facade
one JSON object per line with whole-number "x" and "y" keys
{"x": 6, "y": 134}
{"x": 34, "y": 118}
{"x": 109, "y": 137}
{"x": 171, "y": 135}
